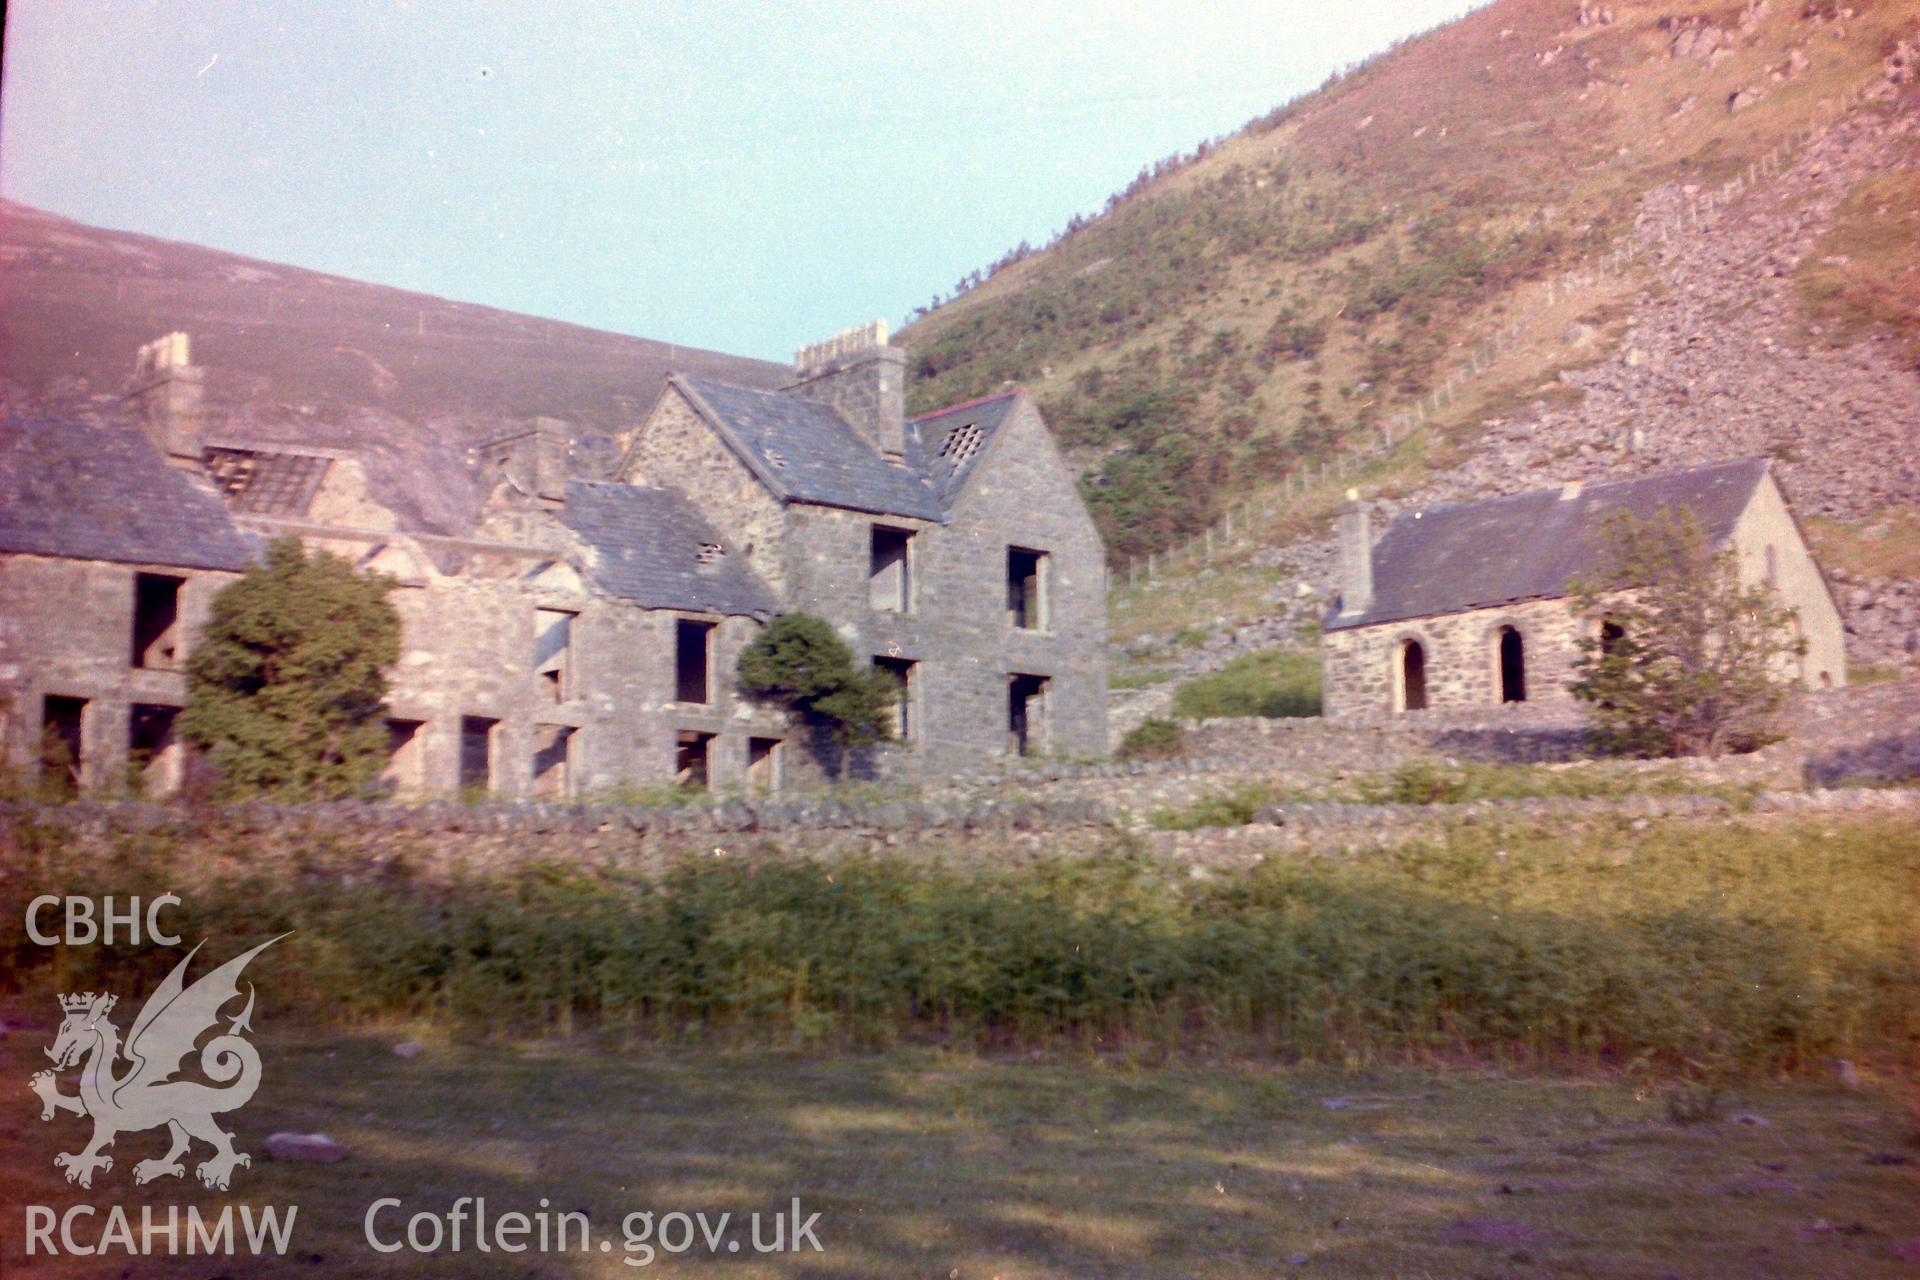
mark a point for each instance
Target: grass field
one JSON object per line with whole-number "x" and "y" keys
{"x": 931, "y": 1164}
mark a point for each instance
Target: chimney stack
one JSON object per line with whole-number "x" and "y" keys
{"x": 168, "y": 389}
{"x": 533, "y": 460}
{"x": 550, "y": 440}
{"x": 1356, "y": 556}
{"x": 858, "y": 374}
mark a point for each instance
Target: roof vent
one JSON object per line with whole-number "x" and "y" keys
{"x": 961, "y": 443}
{"x": 1571, "y": 490}
{"x": 777, "y": 459}
{"x": 711, "y": 552}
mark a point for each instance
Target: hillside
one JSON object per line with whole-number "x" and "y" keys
{"x": 1266, "y": 307}
{"x": 299, "y": 356}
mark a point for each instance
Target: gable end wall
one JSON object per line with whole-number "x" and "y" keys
{"x": 676, "y": 448}
{"x": 1768, "y": 522}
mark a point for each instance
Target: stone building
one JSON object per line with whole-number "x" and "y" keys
{"x": 1469, "y": 604}
{"x": 581, "y": 633}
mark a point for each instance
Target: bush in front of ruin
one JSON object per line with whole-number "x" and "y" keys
{"x": 1155, "y": 738}
{"x": 287, "y": 683}
{"x": 798, "y": 662}
{"x": 1684, "y": 659}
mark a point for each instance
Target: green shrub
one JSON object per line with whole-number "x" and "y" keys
{"x": 287, "y": 682}
{"x": 1688, "y": 660}
{"x": 1155, "y": 738}
{"x": 799, "y": 663}
{"x": 1432, "y": 782}
{"x": 1233, "y": 807}
{"x": 1273, "y": 683}
{"x": 1712, "y": 950}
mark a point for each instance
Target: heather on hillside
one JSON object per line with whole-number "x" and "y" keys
{"x": 1261, "y": 304}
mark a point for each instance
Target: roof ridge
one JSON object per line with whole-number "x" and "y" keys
{"x": 784, "y": 393}
{"x": 1590, "y": 485}
{"x": 967, "y": 404}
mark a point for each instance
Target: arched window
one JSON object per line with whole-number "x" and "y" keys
{"x": 1413, "y": 676}
{"x": 1773, "y": 566}
{"x": 1513, "y": 666}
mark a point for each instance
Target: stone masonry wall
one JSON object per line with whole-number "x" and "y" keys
{"x": 1362, "y": 664}
{"x": 676, "y": 449}
{"x": 66, "y": 628}
{"x": 1771, "y": 550}
{"x": 957, "y": 630}
{"x": 469, "y": 651}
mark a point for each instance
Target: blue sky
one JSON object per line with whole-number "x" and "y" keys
{"x": 743, "y": 177}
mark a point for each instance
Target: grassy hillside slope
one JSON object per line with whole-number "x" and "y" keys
{"x": 407, "y": 380}
{"x": 1260, "y": 307}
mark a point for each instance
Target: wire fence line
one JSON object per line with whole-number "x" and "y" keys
{"x": 1383, "y": 435}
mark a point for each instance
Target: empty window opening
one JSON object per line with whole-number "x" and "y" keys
{"x": 155, "y": 757}
{"x": 961, "y": 443}
{"x": 476, "y": 752}
{"x": 693, "y": 759}
{"x": 1413, "y": 676}
{"x": 901, "y": 671}
{"x": 763, "y": 765}
{"x": 553, "y": 652}
{"x": 692, "y": 661}
{"x": 62, "y": 743}
{"x": 1613, "y": 638}
{"x": 1027, "y": 589}
{"x": 889, "y": 570}
{"x": 156, "y": 621}
{"x": 1026, "y": 713}
{"x": 403, "y": 772}
{"x": 1513, "y": 666}
{"x": 552, "y": 761}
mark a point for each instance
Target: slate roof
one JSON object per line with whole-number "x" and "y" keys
{"x": 647, "y": 547}
{"x": 806, "y": 450}
{"x": 945, "y": 445}
{"x": 71, "y": 488}
{"x": 1529, "y": 546}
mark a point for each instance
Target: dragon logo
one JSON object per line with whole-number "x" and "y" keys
{"x": 145, "y": 1095}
